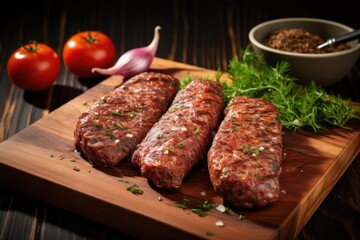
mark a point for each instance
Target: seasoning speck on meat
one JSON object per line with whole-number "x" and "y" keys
{"x": 110, "y": 130}
{"x": 177, "y": 143}
{"x": 245, "y": 156}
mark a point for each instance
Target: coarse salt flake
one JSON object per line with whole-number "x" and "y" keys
{"x": 166, "y": 151}
{"x": 203, "y": 194}
{"x": 117, "y": 140}
{"x": 183, "y": 128}
{"x": 219, "y": 223}
{"x": 283, "y": 191}
{"x": 174, "y": 128}
{"x": 129, "y": 135}
{"x": 76, "y": 151}
{"x": 221, "y": 208}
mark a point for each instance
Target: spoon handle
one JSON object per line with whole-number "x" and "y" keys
{"x": 348, "y": 37}
{"x": 345, "y": 38}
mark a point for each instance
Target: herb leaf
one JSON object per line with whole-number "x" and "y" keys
{"x": 198, "y": 211}
{"x": 135, "y": 189}
{"x": 185, "y": 81}
{"x": 184, "y": 204}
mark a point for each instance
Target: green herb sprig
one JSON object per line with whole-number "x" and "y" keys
{"x": 300, "y": 107}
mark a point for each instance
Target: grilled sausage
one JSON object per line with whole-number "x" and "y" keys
{"x": 110, "y": 130}
{"x": 245, "y": 157}
{"x": 177, "y": 143}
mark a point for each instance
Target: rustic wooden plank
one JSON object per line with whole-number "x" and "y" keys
{"x": 43, "y": 155}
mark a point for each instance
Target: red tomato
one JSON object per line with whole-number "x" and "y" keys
{"x": 86, "y": 50}
{"x": 34, "y": 67}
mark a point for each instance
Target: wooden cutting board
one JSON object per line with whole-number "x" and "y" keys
{"x": 41, "y": 161}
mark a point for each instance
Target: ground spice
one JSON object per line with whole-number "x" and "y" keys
{"x": 299, "y": 41}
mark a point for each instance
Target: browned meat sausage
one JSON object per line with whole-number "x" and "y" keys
{"x": 245, "y": 156}
{"x": 110, "y": 130}
{"x": 182, "y": 136}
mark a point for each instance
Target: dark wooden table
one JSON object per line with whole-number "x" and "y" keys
{"x": 202, "y": 33}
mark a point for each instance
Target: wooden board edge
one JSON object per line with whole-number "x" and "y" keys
{"x": 311, "y": 203}
{"x": 120, "y": 219}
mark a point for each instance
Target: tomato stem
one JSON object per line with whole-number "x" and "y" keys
{"x": 91, "y": 39}
{"x": 31, "y": 48}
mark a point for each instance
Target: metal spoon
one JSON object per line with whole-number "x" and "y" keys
{"x": 345, "y": 38}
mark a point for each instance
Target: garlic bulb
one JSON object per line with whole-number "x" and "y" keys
{"x": 133, "y": 61}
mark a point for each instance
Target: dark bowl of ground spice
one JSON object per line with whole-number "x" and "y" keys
{"x": 295, "y": 40}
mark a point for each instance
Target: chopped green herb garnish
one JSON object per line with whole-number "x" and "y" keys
{"x": 123, "y": 180}
{"x": 257, "y": 151}
{"x": 198, "y": 211}
{"x": 246, "y": 149}
{"x": 225, "y": 170}
{"x": 119, "y": 126}
{"x": 180, "y": 144}
{"x": 108, "y": 131}
{"x": 62, "y": 157}
{"x": 185, "y": 81}
{"x": 241, "y": 217}
{"x": 184, "y": 204}
{"x": 202, "y": 208}
{"x": 197, "y": 132}
{"x": 103, "y": 99}
{"x": 118, "y": 113}
{"x": 169, "y": 150}
{"x": 254, "y": 151}
{"x": 207, "y": 205}
{"x": 135, "y": 189}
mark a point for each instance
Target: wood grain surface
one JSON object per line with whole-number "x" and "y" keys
{"x": 201, "y": 33}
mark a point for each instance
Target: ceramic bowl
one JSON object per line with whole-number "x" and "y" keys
{"x": 324, "y": 68}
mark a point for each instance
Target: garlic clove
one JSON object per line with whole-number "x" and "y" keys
{"x": 133, "y": 61}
